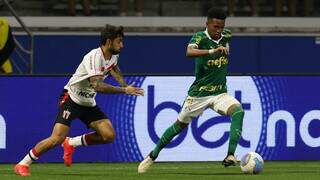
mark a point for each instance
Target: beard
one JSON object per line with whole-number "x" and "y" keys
{"x": 113, "y": 51}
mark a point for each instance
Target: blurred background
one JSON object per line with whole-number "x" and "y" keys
{"x": 261, "y": 8}
{"x": 275, "y": 36}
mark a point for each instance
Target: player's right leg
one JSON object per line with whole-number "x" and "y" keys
{"x": 59, "y": 133}
{"x": 68, "y": 110}
{"x": 95, "y": 119}
{"x": 165, "y": 139}
{"x": 191, "y": 108}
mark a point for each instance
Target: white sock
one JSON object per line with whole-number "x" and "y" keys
{"x": 28, "y": 159}
{"x": 78, "y": 141}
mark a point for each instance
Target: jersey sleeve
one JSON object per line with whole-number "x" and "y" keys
{"x": 94, "y": 64}
{"x": 196, "y": 39}
{"x": 227, "y": 34}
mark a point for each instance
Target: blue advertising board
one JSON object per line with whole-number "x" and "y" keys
{"x": 282, "y": 119}
{"x": 154, "y": 55}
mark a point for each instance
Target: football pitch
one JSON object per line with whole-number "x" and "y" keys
{"x": 293, "y": 170}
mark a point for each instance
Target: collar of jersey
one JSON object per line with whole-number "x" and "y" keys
{"x": 216, "y": 41}
{"x": 104, "y": 60}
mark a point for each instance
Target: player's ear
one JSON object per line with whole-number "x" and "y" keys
{"x": 108, "y": 42}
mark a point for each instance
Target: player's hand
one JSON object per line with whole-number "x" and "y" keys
{"x": 134, "y": 90}
{"x": 222, "y": 49}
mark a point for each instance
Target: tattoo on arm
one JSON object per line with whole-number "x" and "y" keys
{"x": 117, "y": 75}
{"x": 98, "y": 85}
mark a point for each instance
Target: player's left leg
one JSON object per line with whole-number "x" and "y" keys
{"x": 236, "y": 112}
{"x": 104, "y": 133}
{"x": 228, "y": 105}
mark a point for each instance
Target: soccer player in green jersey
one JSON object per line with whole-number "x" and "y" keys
{"x": 210, "y": 48}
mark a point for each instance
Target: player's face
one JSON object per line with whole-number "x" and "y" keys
{"x": 116, "y": 45}
{"x": 215, "y": 27}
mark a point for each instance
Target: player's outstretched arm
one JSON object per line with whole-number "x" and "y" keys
{"x": 193, "y": 51}
{"x": 98, "y": 85}
{"x": 130, "y": 89}
{"x": 117, "y": 75}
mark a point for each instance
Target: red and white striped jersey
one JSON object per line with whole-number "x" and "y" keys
{"x": 93, "y": 64}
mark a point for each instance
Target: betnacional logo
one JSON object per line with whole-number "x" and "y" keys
{"x": 206, "y": 138}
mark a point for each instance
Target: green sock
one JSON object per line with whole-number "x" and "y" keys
{"x": 235, "y": 129}
{"x": 165, "y": 139}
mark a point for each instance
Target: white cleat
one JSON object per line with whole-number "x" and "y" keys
{"x": 145, "y": 164}
{"x": 230, "y": 160}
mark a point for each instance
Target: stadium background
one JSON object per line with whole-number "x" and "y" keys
{"x": 273, "y": 69}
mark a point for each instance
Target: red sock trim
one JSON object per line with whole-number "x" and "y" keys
{"x": 35, "y": 153}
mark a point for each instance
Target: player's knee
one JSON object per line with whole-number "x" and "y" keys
{"x": 240, "y": 110}
{"x": 236, "y": 108}
{"x": 108, "y": 137}
{"x": 182, "y": 125}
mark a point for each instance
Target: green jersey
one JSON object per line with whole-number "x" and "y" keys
{"x": 210, "y": 70}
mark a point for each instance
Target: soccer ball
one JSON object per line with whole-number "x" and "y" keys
{"x": 251, "y": 163}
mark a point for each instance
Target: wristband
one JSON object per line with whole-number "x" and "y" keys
{"x": 211, "y": 51}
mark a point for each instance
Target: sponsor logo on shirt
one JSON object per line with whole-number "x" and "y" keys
{"x": 86, "y": 94}
{"x": 211, "y": 88}
{"x": 83, "y": 93}
{"x": 218, "y": 62}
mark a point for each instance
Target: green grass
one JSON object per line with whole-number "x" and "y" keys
{"x": 292, "y": 170}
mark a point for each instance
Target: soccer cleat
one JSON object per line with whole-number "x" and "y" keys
{"x": 145, "y": 164}
{"x": 68, "y": 151}
{"x": 230, "y": 160}
{"x": 21, "y": 170}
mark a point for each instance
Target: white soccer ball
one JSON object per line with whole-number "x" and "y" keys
{"x": 251, "y": 163}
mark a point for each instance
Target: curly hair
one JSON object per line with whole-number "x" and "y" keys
{"x": 111, "y": 32}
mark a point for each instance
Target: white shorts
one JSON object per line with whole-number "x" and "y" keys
{"x": 194, "y": 106}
